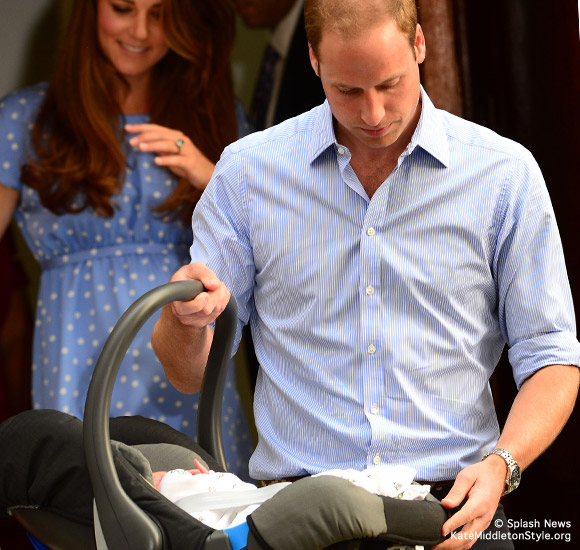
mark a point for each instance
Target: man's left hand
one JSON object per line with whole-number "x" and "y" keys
{"x": 482, "y": 484}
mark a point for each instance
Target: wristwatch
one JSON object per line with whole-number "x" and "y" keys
{"x": 514, "y": 474}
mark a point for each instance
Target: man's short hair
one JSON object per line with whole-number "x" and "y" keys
{"x": 350, "y": 18}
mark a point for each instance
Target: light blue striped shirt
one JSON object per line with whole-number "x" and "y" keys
{"x": 377, "y": 323}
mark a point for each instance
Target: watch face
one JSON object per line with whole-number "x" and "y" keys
{"x": 515, "y": 477}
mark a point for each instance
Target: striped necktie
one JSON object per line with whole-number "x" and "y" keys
{"x": 263, "y": 90}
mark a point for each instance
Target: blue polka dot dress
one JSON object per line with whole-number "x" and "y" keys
{"x": 93, "y": 269}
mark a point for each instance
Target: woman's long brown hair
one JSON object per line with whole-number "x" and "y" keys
{"x": 79, "y": 160}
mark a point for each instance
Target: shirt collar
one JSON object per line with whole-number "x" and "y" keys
{"x": 284, "y": 30}
{"x": 430, "y": 133}
{"x": 323, "y": 135}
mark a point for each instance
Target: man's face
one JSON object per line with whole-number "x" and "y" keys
{"x": 372, "y": 85}
{"x": 263, "y": 13}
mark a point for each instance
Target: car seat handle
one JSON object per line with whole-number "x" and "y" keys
{"x": 127, "y": 526}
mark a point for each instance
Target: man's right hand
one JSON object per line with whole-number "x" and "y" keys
{"x": 207, "y": 306}
{"x": 182, "y": 335}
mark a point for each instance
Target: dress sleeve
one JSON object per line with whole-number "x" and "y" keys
{"x": 535, "y": 302}
{"x": 17, "y": 113}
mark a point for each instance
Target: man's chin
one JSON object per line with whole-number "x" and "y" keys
{"x": 377, "y": 142}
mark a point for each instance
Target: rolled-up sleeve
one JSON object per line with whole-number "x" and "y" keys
{"x": 536, "y": 311}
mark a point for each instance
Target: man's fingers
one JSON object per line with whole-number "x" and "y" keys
{"x": 211, "y": 282}
{"x": 464, "y": 516}
{"x": 473, "y": 518}
{"x": 458, "y": 492}
{"x": 203, "y": 310}
{"x": 196, "y": 272}
{"x": 465, "y": 538}
{"x": 202, "y": 306}
{"x": 206, "y": 306}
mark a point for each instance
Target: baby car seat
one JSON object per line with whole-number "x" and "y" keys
{"x": 53, "y": 466}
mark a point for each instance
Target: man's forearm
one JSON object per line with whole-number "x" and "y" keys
{"x": 182, "y": 350}
{"x": 539, "y": 412}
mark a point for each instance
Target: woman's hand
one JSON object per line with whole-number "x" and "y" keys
{"x": 174, "y": 150}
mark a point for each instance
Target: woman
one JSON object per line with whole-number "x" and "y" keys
{"x": 102, "y": 169}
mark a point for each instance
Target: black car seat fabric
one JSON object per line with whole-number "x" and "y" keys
{"x": 167, "y": 456}
{"x": 384, "y": 518}
{"x": 46, "y": 470}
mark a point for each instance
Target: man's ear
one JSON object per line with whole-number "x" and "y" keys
{"x": 420, "y": 48}
{"x": 313, "y": 59}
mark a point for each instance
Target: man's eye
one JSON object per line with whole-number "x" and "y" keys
{"x": 390, "y": 85}
{"x": 348, "y": 91}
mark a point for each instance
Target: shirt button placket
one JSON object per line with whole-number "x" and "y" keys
{"x": 371, "y": 308}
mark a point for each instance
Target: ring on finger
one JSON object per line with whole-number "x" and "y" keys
{"x": 180, "y": 143}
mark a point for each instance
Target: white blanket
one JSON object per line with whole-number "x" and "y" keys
{"x": 222, "y": 500}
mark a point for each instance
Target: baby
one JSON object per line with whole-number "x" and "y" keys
{"x": 222, "y": 500}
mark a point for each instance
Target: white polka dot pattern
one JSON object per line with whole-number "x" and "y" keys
{"x": 92, "y": 270}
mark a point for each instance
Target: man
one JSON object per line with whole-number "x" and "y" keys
{"x": 294, "y": 88}
{"x": 384, "y": 252}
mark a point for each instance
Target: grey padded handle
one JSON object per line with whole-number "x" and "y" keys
{"x": 126, "y": 526}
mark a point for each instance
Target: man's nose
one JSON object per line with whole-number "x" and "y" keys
{"x": 372, "y": 108}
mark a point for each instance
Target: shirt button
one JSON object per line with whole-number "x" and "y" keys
{"x": 375, "y": 409}
{"x": 376, "y": 460}
{"x": 341, "y": 151}
{"x": 370, "y": 290}
{"x": 370, "y": 231}
{"x": 371, "y": 349}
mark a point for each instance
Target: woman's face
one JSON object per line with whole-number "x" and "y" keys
{"x": 131, "y": 37}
